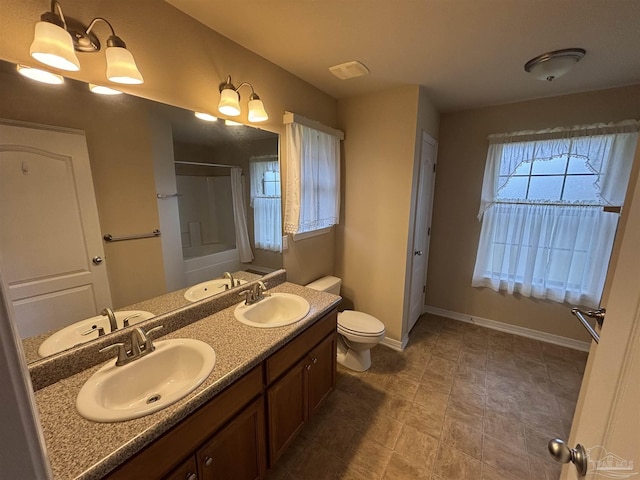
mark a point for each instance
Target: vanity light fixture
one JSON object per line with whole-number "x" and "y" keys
{"x": 552, "y": 65}
{"x": 56, "y": 40}
{"x": 232, "y": 123}
{"x": 102, "y": 90}
{"x": 40, "y": 75}
{"x": 230, "y": 102}
{"x": 206, "y": 117}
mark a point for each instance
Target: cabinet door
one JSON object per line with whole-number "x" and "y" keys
{"x": 238, "y": 451}
{"x": 188, "y": 470}
{"x": 322, "y": 374}
{"x": 286, "y": 409}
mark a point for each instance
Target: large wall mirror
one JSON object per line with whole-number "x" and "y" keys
{"x": 76, "y": 166}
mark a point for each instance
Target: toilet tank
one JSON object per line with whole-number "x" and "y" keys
{"x": 326, "y": 284}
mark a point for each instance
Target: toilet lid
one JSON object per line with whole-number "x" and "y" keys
{"x": 360, "y": 323}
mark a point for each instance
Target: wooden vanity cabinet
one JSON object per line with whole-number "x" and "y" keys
{"x": 225, "y": 438}
{"x": 309, "y": 366}
{"x": 170, "y": 455}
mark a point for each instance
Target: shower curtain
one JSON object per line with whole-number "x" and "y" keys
{"x": 240, "y": 216}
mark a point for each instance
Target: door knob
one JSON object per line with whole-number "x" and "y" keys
{"x": 96, "y": 260}
{"x": 418, "y": 252}
{"x": 563, "y": 454}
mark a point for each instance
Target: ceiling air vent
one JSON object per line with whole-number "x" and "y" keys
{"x": 348, "y": 70}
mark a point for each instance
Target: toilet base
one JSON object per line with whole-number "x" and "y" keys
{"x": 359, "y": 361}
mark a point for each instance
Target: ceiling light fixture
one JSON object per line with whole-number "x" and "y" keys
{"x": 102, "y": 90}
{"x": 552, "y": 65}
{"x": 230, "y": 102}
{"x": 206, "y": 117}
{"x": 40, "y": 75}
{"x": 56, "y": 40}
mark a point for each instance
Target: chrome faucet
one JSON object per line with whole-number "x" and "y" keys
{"x": 112, "y": 318}
{"x": 232, "y": 280}
{"x": 141, "y": 345}
{"x": 255, "y": 293}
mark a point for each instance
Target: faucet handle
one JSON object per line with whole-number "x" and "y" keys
{"x": 248, "y": 296}
{"x": 125, "y": 322}
{"x": 122, "y": 352}
{"x": 100, "y": 331}
{"x": 143, "y": 336}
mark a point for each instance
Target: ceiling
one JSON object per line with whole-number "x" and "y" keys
{"x": 466, "y": 53}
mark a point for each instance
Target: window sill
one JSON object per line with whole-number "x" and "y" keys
{"x": 312, "y": 233}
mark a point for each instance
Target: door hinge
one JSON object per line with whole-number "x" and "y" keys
{"x": 428, "y": 231}
{"x": 434, "y": 167}
{"x": 424, "y": 289}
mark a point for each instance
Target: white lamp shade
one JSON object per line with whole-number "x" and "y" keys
{"x": 121, "y": 67}
{"x": 53, "y": 46}
{"x": 40, "y": 75}
{"x": 257, "y": 113}
{"x": 229, "y": 102}
{"x": 206, "y": 117}
{"x": 102, "y": 90}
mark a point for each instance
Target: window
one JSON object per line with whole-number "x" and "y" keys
{"x": 265, "y": 200}
{"x": 313, "y": 179}
{"x": 545, "y": 232}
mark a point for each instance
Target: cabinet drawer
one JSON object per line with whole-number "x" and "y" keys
{"x": 287, "y": 356}
{"x": 169, "y": 450}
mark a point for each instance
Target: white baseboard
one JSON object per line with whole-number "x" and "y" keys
{"x": 508, "y": 328}
{"x": 396, "y": 344}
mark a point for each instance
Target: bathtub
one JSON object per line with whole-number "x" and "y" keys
{"x": 209, "y": 261}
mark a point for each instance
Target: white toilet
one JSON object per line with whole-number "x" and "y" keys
{"x": 358, "y": 332}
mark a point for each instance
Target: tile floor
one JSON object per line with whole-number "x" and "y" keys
{"x": 461, "y": 402}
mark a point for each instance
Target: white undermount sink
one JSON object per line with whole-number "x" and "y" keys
{"x": 72, "y": 335}
{"x": 274, "y": 310}
{"x": 210, "y": 288}
{"x": 175, "y": 369}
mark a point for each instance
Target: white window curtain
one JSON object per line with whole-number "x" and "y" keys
{"x": 267, "y": 209}
{"x": 240, "y": 216}
{"x": 312, "y": 180}
{"x": 552, "y": 249}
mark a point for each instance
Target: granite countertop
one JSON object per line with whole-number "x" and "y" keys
{"x": 157, "y": 305}
{"x": 81, "y": 449}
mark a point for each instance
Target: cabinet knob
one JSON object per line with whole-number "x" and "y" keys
{"x": 191, "y": 476}
{"x": 308, "y": 367}
{"x": 315, "y": 360}
{"x": 208, "y": 461}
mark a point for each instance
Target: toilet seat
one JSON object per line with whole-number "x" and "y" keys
{"x": 359, "y": 324}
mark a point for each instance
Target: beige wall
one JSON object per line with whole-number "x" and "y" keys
{"x": 455, "y": 228}
{"x": 377, "y": 179}
{"x": 182, "y": 62}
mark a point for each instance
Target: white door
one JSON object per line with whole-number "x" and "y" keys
{"x": 49, "y": 229}
{"x": 422, "y": 228}
{"x": 607, "y": 419}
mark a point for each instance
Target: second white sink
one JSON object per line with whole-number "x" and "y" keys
{"x": 144, "y": 386}
{"x": 275, "y": 310}
{"x": 209, "y": 288}
{"x": 72, "y": 335}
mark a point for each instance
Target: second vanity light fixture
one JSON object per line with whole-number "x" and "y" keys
{"x": 230, "y": 102}
{"x": 57, "y": 39}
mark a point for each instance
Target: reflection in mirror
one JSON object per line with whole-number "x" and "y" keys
{"x": 75, "y": 166}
